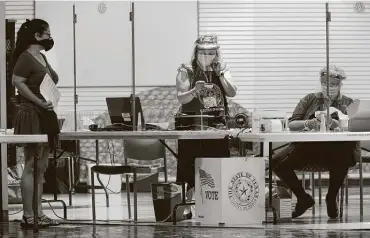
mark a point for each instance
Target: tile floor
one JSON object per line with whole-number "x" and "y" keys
{"x": 79, "y": 221}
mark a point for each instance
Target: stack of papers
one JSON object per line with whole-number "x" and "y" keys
{"x": 49, "y": 91}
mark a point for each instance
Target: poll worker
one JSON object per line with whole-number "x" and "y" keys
{"x": 202, "y": 88}
{"x": 336, "y": 157}
{"x": 35, "y": 114}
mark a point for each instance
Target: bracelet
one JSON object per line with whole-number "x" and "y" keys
{"x": 305, "y": 123}
{"x": 194, "y": 94}
{"x": 330, "y": 124}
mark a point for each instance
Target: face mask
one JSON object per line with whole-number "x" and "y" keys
{"x": 46, "y": 43}
{"x": 333, "y": 91}
{"x": 206, "y": 60}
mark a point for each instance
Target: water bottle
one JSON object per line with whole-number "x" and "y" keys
{"x": 322, "y": 122}
{"x": 139, "y": 125}
{"x": 256, "y": 122}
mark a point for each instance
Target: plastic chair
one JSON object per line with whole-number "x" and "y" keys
{"x": 365, "y": 146}
{"x": 137, "y": 149}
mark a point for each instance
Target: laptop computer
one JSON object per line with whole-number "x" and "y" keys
{"x": 120, "y": 113}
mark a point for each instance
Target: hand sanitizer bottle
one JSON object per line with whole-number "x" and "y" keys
{"x": 256, "y": 122}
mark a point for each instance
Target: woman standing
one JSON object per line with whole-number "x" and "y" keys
{"x": 202, "y": 88}
{"x": 35, "y": 115}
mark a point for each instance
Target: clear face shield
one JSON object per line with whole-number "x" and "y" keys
{"x": 335, "y": 86}
{"x": 206, "y": 49}
{"x": 206, "y": 57}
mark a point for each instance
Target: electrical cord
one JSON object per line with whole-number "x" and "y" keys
{"x": 11, "y": 214}
{"x": 64, "y": 219}
{"x": 241, "y": 131}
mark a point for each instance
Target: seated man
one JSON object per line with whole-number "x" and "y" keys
{"x": 336, "y": 157}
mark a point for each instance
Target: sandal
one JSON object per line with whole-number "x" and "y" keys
{"x": 27, "y": 223}
{"x": 46, "y": 221}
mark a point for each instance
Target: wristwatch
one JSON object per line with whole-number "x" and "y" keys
{"x": 194, "y": 94}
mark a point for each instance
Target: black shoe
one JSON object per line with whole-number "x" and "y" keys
{"x": 302, "y": 206}
{"x": 332, "y": 207}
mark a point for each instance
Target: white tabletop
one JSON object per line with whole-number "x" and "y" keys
{"x": 287, "y": 136}
{"x": 96, "y": 135}
{"x": 11, "y": 139}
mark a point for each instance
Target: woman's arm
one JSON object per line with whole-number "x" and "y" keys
{"x": 22, "y": 70}
{"x": 19, "y": 83}
{"x": 184, "y": 93}
{"x": 228, "y": 84}
{"x": 298, "y": 125}
{"x": 297, "y": 122}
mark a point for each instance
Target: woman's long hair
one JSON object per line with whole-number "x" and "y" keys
{"x": 195, "y": 64}
{"x": 26, "y": 37}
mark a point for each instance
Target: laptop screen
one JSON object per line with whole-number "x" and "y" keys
{"x": 120, "y": 110}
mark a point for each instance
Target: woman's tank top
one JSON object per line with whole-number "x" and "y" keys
{"x": 212, "y": 100}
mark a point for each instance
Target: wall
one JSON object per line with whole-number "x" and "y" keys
{"x": 276, "y": 49}
{"x": 103, "y": 46}
{"x": 19, "y": 10}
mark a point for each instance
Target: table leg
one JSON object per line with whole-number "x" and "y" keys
{"x": 55, "y": 165}
{"x": 4, "y": 215}
{"x": 361, "y": 191}
{"x": 183, "y": 187}
{"x": 35, "y": 192}
{"x": 242, "y": 150}
{"x": 70, "y": 178}
{"x": 270, "y": 208}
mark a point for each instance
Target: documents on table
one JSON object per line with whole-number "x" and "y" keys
{"x": 49, "y": 90}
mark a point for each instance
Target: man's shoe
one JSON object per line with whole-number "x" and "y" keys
{"x": 332, "y": 207}
{"x": 302, "y": 206}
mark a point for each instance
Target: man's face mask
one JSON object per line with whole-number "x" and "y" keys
{"x": 334, "y": 88}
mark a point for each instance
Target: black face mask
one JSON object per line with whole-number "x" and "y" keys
{"x": 46, "y": 43}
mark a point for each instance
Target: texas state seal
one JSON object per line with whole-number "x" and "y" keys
{"x": 243, "y": 191}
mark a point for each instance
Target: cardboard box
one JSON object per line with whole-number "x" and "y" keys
{"x": 282, "y": 203}
{"x": 230, "y": 191}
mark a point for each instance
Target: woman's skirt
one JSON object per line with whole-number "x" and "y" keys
{"x": 29, "y": 122}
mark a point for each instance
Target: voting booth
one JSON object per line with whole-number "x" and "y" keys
{"x": 230, "y": 191}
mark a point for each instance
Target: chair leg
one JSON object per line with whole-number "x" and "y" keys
{"x": 320, "y": 191}
{"x": 313, "y": 190}
{"x": 93, "y": 195}
{"x": 135, "y": 196}
{"x": 128, "y": 196}
{"x": 70, "y": 184}
{"x": 106, "y": 194}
